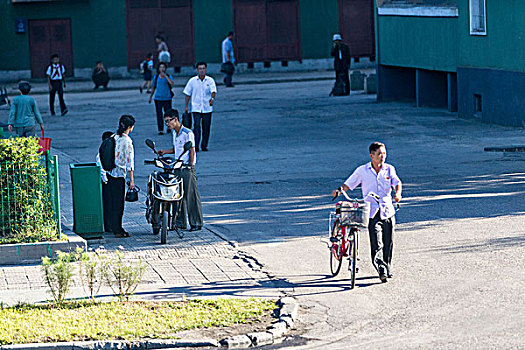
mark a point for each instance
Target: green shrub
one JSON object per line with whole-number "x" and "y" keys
{"x": 58, "y": 274}
{"x": 26, "y": 211}
{"x": 122, "y": 276}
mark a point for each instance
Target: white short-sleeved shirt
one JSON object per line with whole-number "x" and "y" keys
{"x": 200, "y": 92}
{"x": 380, "y": 183}
{"x": 103, "y": 174}
{"x": 179, "y": 139}
{"x": 56, "y": 71}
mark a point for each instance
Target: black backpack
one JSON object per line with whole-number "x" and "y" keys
{"x": 107, "y": 153}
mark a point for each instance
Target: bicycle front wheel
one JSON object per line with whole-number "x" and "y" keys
{"x": 337, "y": 249}
{"x": 352, "y": 257}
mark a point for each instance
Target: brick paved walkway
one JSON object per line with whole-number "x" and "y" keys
{"x": 200, "y": 261}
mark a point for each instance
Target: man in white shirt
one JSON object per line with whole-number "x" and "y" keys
{"x": 191, "y": 202}
{"x": 378, "y": 177}
{"x": 201, "y": 89}
{"x": 56, "y": 79}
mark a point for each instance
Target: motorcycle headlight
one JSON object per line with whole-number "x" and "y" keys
{"x": 170, "y": 192}
{"x": 159, "y": 164}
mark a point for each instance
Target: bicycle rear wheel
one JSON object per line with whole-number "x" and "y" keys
{"x": 352, "y": 257}
{"x": 336, "y": 250}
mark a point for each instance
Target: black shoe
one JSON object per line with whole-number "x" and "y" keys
{"x": 64, "y": 112}
{"x": 197, "y": 150}
{"x": 141, "y": 89}
{"x": 169, "y": 131}
{"x": 95, "y": 88}
{"x": 53, "y": 114}
{"x": 181, "y": 227}
{"x": 389, "y": 274}
{"x": 334, "y": 239}
{"x": 231, "y": 85}
{"x": 195, "y": 228}
{"x": 382, "y": 274}
{"x": 161, "y": 133}
{"x": 205, "y": 149}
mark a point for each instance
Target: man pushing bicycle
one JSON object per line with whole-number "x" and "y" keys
{"x": 378, "y": 177}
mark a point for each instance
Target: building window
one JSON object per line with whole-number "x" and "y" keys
{"x": 478, "y": 18}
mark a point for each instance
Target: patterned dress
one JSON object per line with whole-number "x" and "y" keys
{"x": 124, "y": 156}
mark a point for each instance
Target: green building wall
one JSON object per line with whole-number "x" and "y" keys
{"x": 504, "y": 45}
{"x": 212, "y": 20}
{"x": 417, "y": 42}
{"x": 319, "y": 20}
{"x": 98, "y": 28}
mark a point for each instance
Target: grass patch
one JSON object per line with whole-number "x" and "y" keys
{"x": 123, "y": 320}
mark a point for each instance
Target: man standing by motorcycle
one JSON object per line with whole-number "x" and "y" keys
{"x": 191, "y": 202}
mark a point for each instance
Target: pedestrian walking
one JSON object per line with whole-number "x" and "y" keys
{"x": 161, "y": 93}
{"x": 191, "y": 201}
{"x": 105, "y": 192}
{"x": 56, "y": 80}
{"x": 100, "y": 76}
{"x": 124, "y": 165}
{"x": 146, "y": 68}
{"x": 228, "y": 60}
{"x": 341, "y": 54}
{"x": 201, "y": 89}
{"x": 24, "y": 113}
{"x": 163, "y": 53}
{"x": 378, "y": 177}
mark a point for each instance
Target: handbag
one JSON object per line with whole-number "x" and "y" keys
{"x": 227, "y": 68}
{"x": 132, "y": 195}
{"x": 186, "y": 119}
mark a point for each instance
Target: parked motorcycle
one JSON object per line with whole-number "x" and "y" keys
{"x": 164, "y": 193}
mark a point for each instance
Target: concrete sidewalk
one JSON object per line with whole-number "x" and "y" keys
{"x": 75, "y": 85}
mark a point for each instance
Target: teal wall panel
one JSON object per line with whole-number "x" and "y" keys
{"x": 418, "y": 42}
{"x": 98, "y": 30}
{"x": 319, "y": 20}
{"x": 212, "y": 20}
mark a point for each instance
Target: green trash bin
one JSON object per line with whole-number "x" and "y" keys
{"x": 88, "y": 214}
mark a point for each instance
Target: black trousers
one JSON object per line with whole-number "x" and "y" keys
{"x": 381, "y": 234}
{"x": 106, "y": 205}
{"x": 56, "y": 87}
{"x": 228, "y": 79}
{"x": 206, "y": 126}
{"x": 159, "y": 106}
{"x": 116, "y": 191}
{"x": 191, "y": 202}
{"x": 342, "y": 73}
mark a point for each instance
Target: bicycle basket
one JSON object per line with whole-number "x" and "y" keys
{"x": 354, "y": 213}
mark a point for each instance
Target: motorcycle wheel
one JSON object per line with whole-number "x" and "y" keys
{"x": 164, "y": 228}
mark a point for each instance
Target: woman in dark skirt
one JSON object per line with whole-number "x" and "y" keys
{"x": 124, "y": 165}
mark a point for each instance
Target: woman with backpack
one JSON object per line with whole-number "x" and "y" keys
{"x": 162, "y": 94}
{"x": 124, "y": 165}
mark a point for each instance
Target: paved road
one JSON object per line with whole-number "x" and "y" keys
{"x": 276, "y": 152}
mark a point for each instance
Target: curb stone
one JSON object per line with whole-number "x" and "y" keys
{"x": 287, "y": 316}
{"x": 274, "y": 333}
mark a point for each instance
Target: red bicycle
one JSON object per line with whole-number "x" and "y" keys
{"x": 349, "y": 217}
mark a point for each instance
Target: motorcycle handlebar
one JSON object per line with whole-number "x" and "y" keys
{"x": 149, "y": 162}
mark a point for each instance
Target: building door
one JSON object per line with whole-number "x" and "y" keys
{"x": 48, "y": 37}
{"x": 173, "y": 19}
{"x": 356, "y": 24}
{"x": 267, "y": 30}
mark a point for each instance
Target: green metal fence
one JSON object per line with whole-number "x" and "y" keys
{"x": 30, "y": 201}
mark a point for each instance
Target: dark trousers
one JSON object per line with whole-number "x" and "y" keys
{"x": 101, "y": 79}
{"x": 206, "y": 126}
{"x": 228, "y": 79}
{"x": 191, "y": 202}
{"x": 342, "y": 74}
{"x": 106, "y": 205}
{"x": 56, "y": 87}
{"x": 159, "y": 106}
{"x": 116, "y": 191}
{"x": 381, "y": 234}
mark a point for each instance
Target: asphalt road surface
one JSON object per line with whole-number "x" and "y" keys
{"x": 276, "y": 153}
